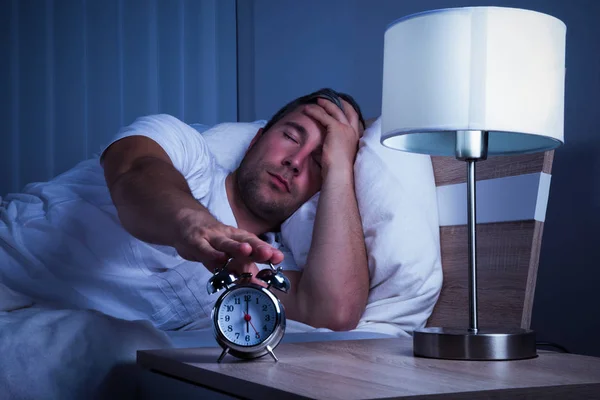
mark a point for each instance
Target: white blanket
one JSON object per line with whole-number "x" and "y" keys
{"x": 68, "y": 354}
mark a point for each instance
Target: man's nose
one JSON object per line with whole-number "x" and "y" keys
{"x": 294, "y": 162}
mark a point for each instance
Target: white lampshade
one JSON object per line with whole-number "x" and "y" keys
{"x": 494, "y": 69}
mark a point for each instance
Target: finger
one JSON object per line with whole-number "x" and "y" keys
{"x": 333, "y": 110}
{"x": 205, "y": 254}
{"x": 208, "y": 252}
{"x": 264, "y": 252}
{"x": 241, "y": 265}
{"x": 259, "y": 250}
{"x": 361, "y": 130}
{"x": 352, "y": 116}
{"x": 233, "y": 248}
{"x": 320, "y": 115}
{"x": 248, "y": 238}
{"x": 258, "y": 282}
{"x": 250, "y": 267}
{"x": 277, "y": 257}
{"x": 267, "y": 253}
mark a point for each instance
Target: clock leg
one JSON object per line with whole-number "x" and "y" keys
{"x": 270, "y": 350}
{"x": 223, "y": 354}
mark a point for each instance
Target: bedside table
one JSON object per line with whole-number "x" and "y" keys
{"x": 373, "y": 369}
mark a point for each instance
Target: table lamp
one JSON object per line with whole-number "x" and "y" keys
{"x": 472, "y": 82}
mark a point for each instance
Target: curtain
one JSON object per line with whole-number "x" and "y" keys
{"x": 72, "y": 72}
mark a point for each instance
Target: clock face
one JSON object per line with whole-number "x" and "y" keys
{"x": 246, "y": 316}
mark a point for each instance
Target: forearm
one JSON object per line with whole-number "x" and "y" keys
{"x": 334, "y": 286}
{"x": 152, "y": 198}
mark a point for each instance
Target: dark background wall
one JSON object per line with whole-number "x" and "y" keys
{"x": 287, "y": 48}
{"x": 73, "y": 71}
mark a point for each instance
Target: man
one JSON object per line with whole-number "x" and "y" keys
{"x": 310, "y": 145}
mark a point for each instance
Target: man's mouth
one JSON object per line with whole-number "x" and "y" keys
{"x": 281, "y": 181}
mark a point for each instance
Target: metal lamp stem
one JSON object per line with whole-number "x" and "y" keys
{"x": 472, "y": 219}
{"x": 472, "y": 146}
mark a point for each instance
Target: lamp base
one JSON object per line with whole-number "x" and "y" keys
{"x": 486, "y": 344}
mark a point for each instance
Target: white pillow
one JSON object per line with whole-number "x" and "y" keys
{"x": 397, "y": 201}
{"x": 229, "y": 141}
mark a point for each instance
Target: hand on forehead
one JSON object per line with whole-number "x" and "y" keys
{"x": 331, "y": 96}
{"x": 328, "y": 114}
{"x": 348, "y": 109}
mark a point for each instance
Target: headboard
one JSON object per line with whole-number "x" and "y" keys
{"x": 512, "y": 193}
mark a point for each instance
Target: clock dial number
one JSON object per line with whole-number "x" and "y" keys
{"x": 247, "y": 317}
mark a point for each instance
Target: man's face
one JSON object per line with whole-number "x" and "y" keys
{"x": 282, "y": 170}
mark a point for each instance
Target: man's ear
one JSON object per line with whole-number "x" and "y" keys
{"x": 255, "y": 139}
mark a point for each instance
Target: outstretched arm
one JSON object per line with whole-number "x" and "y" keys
{"x": 332, "y": 289}
{"x": 155, "y": 204}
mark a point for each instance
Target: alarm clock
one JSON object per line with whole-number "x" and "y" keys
{"x": 248, "y": 319}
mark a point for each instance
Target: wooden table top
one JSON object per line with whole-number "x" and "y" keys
{"x": 375, "y": 368}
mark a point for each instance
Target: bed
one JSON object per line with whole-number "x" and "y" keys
{"x": 54, "y": 353}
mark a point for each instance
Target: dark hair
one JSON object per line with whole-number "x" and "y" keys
{"x": 311, "y": 98}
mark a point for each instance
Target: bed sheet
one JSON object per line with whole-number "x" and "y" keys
{"x": 70, "y": 354}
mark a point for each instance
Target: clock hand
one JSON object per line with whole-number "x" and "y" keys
{"x": 257, "y": 334}
{"x": 247, "y": 316}
{"x": 248, "y": 319}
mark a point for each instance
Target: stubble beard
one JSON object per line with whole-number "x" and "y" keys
{"x": 253, "y": 189}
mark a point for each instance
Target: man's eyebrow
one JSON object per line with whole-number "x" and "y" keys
{"x": 297, "y": 127}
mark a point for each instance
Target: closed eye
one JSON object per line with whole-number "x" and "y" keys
{"x": 287, "y": 136}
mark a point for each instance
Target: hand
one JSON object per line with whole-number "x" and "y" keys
{"x": 204, "y": 239}
{"x": 241, "y": 265}
{"x": 343, "y": 130}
